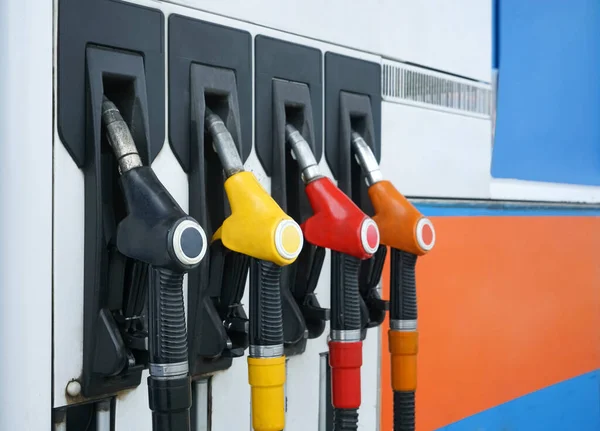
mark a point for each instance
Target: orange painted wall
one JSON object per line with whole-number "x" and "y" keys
{"x": 507, "y": 306}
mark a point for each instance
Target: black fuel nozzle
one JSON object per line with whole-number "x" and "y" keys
{"x": 158, "y": 232}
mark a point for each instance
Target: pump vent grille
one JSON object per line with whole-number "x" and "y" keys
{"x": 412, "y": 85}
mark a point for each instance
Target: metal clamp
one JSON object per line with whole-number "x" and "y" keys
{"x": 345, "y": 335}
{"x": 403, "y": 325}
{"x": 266, "y": 351}
{"x": 166, "y": 371}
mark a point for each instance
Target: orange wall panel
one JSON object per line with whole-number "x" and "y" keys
{"x": 507, "y": 306}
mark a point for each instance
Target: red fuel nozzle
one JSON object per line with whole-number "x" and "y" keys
{"x": 338, "y": 224}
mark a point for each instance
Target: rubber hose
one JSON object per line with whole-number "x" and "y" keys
{"x": 266, "y": 326}
{"x": 345, "y": 419}
{"x": 404, "y": 411}
{"x": 168, "y": 334}
{"x": 345, "y": 295}
{"x": 403, "y": 295}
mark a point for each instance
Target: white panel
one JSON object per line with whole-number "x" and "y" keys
{"x": 435, "y": 154}
{"x": 132, "y": 412}
{"x": 454, "y": 36}
{"x": 26, "y": 214}
{"x": 368, "y": 414}
{"x": 231, "y": 397}
{"x": 303, "y": 371}
{"x": 68, "y": 271}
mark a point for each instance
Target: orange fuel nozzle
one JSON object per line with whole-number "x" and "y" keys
{"x": 409, "y": 235}
{"x": 401, "y": 225}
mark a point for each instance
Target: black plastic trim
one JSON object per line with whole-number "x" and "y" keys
{"x": 105, "y": 356}
{"x": 114, "y": 25}
{"x": 277, "y": 59}
{"x": 289, "y": 90}
{"x": 193, "y": 41}
{"x": 352, "y": 94}
{"x": 210, "y": 65}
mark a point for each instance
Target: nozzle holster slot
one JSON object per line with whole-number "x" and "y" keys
{"x": 115, "y": 287}
{"x": 198, "y": 42}
{"x": 289, "y": 91}
{"x": 204, "y": 75}
{"x": 353, "y": 103}
{"x": 114, "y": 25}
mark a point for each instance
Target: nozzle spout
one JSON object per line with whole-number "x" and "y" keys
{"x": 223, "y": 144}
{"x": 366, "y": 159}
{"x": 119, "y": 137}
{"x": 303, "y": 154}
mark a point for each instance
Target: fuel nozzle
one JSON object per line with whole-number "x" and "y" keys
{"x": 409, "y": 235}
{"x": 158, "y": 232}
{"x": 258, "y": 227}
{"x": 352, "y": 236}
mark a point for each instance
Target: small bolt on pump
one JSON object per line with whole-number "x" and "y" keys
{"x": 258, "y": 227}
{"x": 158, "y": 232}
{"x": 352, "y": 236}
{"x": 409, "y": 235}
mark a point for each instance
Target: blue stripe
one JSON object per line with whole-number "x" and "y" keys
{"x": 572, "y": 405}
{"x": 503, "y": 210}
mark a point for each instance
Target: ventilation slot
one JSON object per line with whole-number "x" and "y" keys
{"x": 411, "y": 85}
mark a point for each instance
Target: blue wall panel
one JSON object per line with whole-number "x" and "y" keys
{"x": 548, "y": 112}
{"x": 572, "y": 405}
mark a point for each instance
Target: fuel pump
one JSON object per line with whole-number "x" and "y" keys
{"x": 258, "y": 227}
{"x": 158, "y": 232}
{"x": 352, "y": 236}
{"x": 409, "y": 235}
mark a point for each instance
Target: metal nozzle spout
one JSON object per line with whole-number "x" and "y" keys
{"x": 119, "y": 137}
{"x": 223, "y": 144}
{"x": 303, "y": 154}
{"x": 366, "y": 159}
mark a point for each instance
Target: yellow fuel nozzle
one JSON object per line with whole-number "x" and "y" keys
{"x": 257, "y": 226}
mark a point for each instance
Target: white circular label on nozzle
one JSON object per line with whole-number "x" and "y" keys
{"x": 425, "y": 234}
{"x": 189, "y": 242}
{"x": 369, "y": 235}
{"x": 288, "y": 239}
